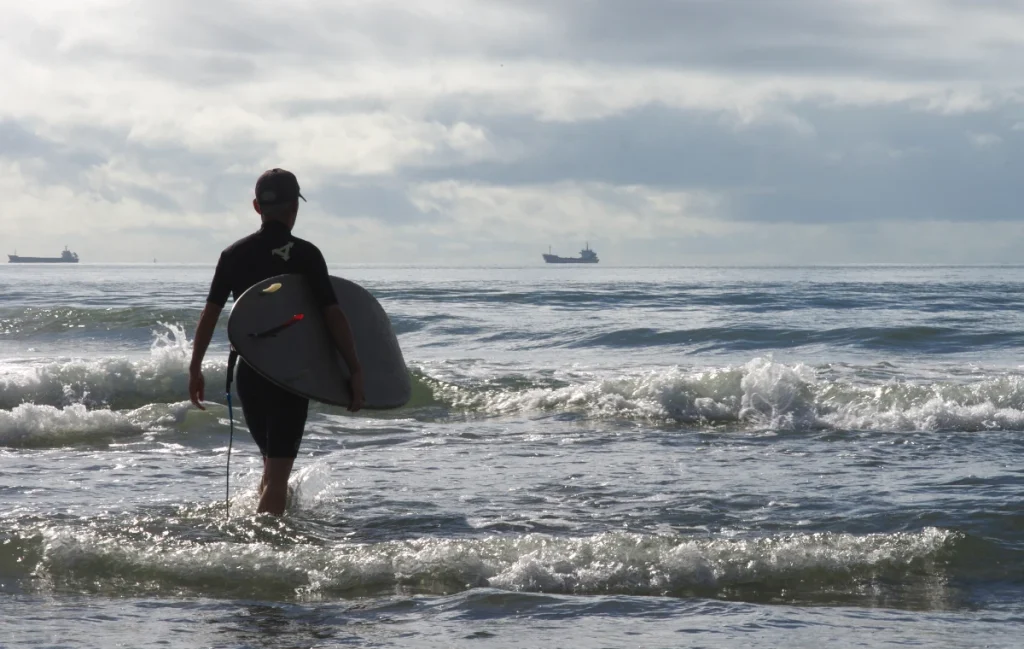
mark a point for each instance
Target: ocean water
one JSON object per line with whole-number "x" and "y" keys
{"x": 593, "y": 457}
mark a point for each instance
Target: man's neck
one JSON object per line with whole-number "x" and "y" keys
{"x": 275, "y": 223}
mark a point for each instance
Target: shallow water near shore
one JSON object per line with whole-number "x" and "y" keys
{"x": 595, "y": 456}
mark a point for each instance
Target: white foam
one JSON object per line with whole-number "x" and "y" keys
{"x": 118, "y": 382}
{"x": 311, "y": 485}
{"x": 765, "y": 394}
{"x": 35, "y": 425}
{"x": 935, "y": 414}
{"x": 603, "y": 563}
{"x": 762, "y": 394}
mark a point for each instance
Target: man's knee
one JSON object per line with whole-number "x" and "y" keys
{"x": 277, "y": 469}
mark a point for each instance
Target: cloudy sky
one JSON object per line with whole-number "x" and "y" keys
{"x": 434, "y": 131}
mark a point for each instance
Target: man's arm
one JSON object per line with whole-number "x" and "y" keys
{"x": 337, "y": 324}
{"x": 204, "y": 333}
{"x": 341, "y": 332}
{"x": 220, "y": 288}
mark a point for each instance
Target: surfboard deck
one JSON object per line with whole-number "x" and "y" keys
{"x": 278, "y": 329}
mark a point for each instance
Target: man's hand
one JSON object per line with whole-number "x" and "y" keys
{"x": 356, "y": 386}
{"x": 341, "y": 332}
{"x": 204, "y": 332}
{"x": 196, "y": 388}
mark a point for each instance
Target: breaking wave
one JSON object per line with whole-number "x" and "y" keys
{"x": 77, "y": 398}
{"x": 605, "y": 563}
{"x": 114, "y": 382}
{"x": 763, "y": 394}
{"x": 30, "y": 425}
{"x": 24, "y": 323}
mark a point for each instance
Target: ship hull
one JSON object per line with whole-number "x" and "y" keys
{"x": 555, "y": 259}
{"x": 15, "y": 259}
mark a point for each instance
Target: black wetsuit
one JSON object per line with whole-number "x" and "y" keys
{"x": 275, "y": 417}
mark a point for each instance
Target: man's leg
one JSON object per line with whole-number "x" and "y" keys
{"x": 274, "y": 494}
{"x": 253, "y": 392}
{"x": 287, "y": 423}
{"x": 263, "y": 479}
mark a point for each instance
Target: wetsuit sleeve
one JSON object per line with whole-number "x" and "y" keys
{"x": 318, "y": 277}
{"x": 220, "y": 287}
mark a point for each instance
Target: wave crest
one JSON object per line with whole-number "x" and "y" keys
{"x": 762, "y": 394}
{"x": 613, "y": 562}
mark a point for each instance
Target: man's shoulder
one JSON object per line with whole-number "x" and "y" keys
{"x": 258, "y": 241}
{"x": 240, "y": 243}
{"x": 306, "y": 246}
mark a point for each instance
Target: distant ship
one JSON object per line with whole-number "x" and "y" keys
{"x": 587, "y": 256}
{"x": 66, "y": 257}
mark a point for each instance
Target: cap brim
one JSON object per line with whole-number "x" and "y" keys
{"x": 302, "y": 197}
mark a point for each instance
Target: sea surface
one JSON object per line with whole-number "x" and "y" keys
{"x": 593, "y": 457}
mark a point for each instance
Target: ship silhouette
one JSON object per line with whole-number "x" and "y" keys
{"x": 587, "y": 256}
{"x": 66, "y": 257}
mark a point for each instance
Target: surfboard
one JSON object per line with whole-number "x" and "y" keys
{"x": 279, "y": 330}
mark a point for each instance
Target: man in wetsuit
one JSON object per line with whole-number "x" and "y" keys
{"x": 276, "y": 418}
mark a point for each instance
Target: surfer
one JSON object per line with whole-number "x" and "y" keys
{"x": 276, "y": 418}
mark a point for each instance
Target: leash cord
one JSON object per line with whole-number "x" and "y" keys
{"x": 231, "y": 439}
{"x": 232, "y": 357}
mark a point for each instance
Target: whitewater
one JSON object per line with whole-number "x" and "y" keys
{"x": 596, "y": 456}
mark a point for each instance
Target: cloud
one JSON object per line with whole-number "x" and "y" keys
{"x": 566, "y": 210}
{"x": 431, "y": 125}
{"x": 881, "y": 39}
{"x": 985, "y": 140}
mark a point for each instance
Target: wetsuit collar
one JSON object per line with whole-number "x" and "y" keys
{"x": 271, "y": 226}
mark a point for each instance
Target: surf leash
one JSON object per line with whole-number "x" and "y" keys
{"x": 273, "y": 331}
{"x": 232, "y": 357}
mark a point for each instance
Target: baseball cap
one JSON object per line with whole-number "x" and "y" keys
{"x": 277, "y": 186}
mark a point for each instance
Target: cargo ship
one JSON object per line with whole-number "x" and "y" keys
{"x": 587, "y": 256}
{"x": 66, "y": 257}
